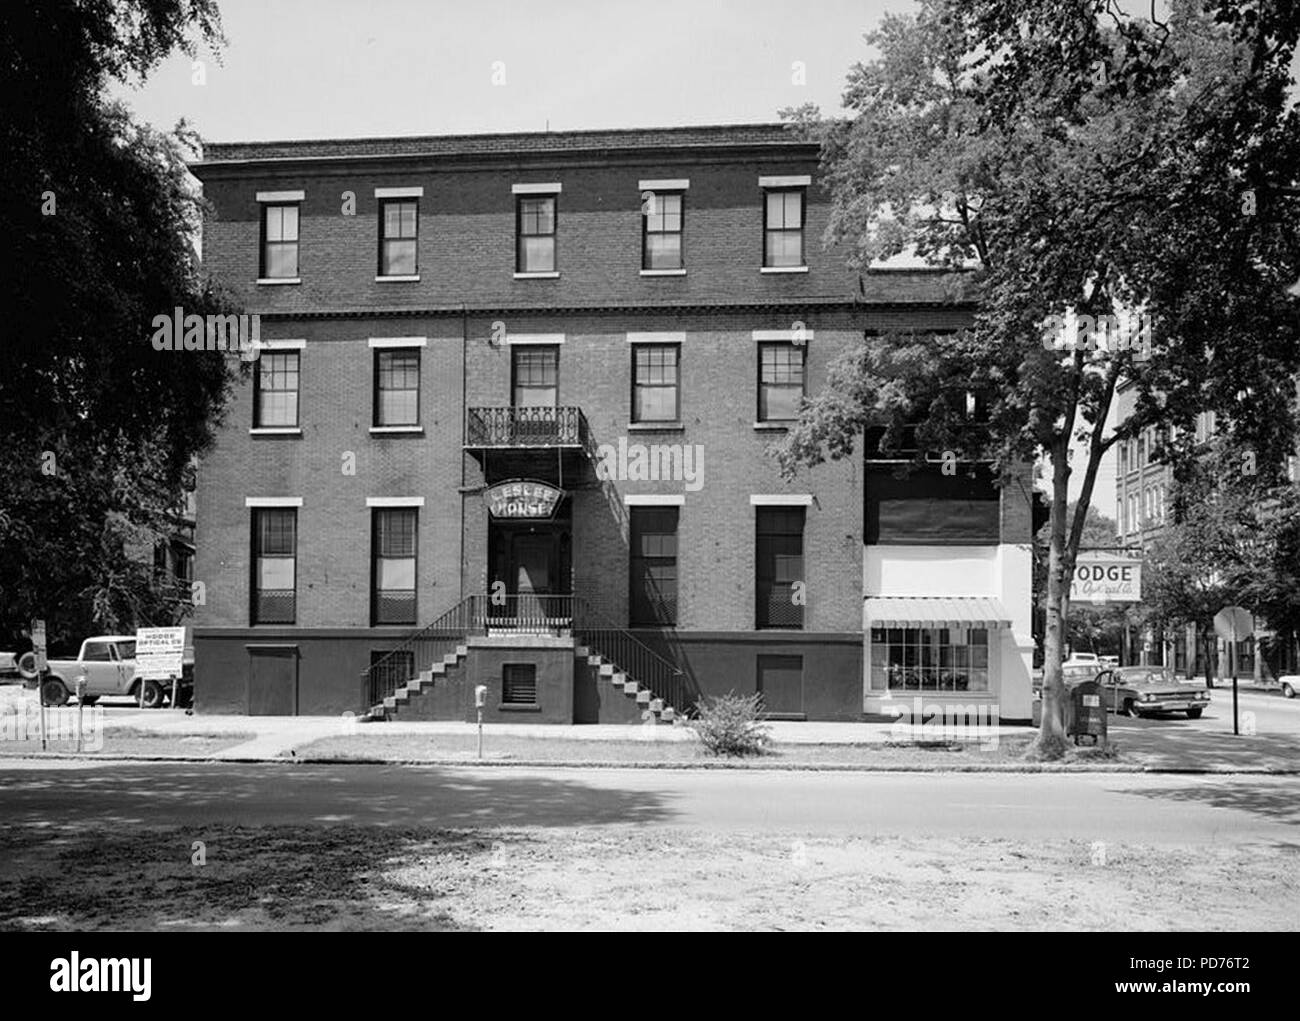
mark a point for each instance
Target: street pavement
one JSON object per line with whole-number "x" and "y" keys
{"x": 1164, "y": 810}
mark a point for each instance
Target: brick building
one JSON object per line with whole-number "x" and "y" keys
{"x": 509, "y": 424}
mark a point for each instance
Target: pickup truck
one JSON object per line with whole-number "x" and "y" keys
{"x": 108, "y": 664}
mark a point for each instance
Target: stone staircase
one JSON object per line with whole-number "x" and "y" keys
{"x": 653, "y": 710}
{"x": 389, "y": 708}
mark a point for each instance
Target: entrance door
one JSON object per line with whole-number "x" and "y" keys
{"x": 273, "y": 680}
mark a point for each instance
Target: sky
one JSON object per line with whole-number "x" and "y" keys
{"x": 358, "y": 68}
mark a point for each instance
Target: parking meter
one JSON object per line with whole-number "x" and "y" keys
{"x": 480, "y": 698}
{"x": 80, "y": 685}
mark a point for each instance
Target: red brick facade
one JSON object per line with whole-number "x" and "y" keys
{"x": 467, "y": 297}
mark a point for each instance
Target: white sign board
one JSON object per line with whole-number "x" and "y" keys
{"x": 1106, "y": 579}
{"x": 159, "y": 652}
{"x": 1234, "y": 623}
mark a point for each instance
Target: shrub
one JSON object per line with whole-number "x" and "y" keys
{"x": 731, "y": 724}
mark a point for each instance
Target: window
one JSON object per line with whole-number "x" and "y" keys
{"x": 653, "y": 573}
{"x": 125, "y": 650}
{"x": 780, "y": 382}
{"x": 275, "y": 542}
{"x": 536, "y": 234}
{"x": 275, "y": 387}
{"x": 779, "y": 565}
{"x": 536, "y": 372}
{"x": 783, "y": 227}
{"x": 931, "y": 659}
{"x": 654, "y": 383}
{"x": 518, "y": 684}
{"x": 662, "y": 232}
{"x": 393, "y": 577}
{"x": 397, "y": 387}
{"x": 279, "y": 242}
{"x": 1133, "y": 523}
{"x": 1123, "y": 458}
{"x": 398, "y": 224}
{"x": 97, "y": 652}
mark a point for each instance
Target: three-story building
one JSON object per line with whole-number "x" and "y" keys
{"x": 508, "y": 427}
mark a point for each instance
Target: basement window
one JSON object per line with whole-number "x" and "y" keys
{"x": 519, "y": 684}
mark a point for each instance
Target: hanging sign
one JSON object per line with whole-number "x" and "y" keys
{"x": 522, "y": 498}
{"x": 1106, "y": 579}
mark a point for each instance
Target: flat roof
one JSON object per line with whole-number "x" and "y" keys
{"x": 717, "y": 136}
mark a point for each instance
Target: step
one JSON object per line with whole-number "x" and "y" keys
{"x": 438, "y": 668}
{"x": 403, "y": 695}
{"x": 606, "y": 669}
{"x": 594, "y": 660}
{"x": 619, "y": 678}
{"x": 631, "y": 688}
{"x": 390, "y": 702}
{"x": 426, "y": 677}
{"x": 451, "y": 659}
{"x": 668, "y": 715}
{"x": 462, "y": 651}
{"x": 643, "y": 697}
{"x": 656, "y": 705}
{"x": 581, "y": 651}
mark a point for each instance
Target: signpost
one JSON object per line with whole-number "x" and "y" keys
{"x": 1232, "y": 624}
{"x": 159, "y": 656}
{"x": 42, "y": 664}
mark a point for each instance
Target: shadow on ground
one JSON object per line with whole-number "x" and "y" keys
{"x": 172, "y": 794}
{"x": 1175, "y": 744}
{"x": 1269, "y": 800}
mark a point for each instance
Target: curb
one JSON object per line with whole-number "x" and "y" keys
{"x": 774, "y": 767}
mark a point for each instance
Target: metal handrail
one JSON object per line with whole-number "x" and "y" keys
{"x": 526, "y": 426}
{"x": 527, "y": 614}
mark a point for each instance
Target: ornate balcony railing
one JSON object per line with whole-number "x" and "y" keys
{"x": 526, "y": 427}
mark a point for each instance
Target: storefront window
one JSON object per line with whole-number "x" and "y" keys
{"x": 931, "y": 659}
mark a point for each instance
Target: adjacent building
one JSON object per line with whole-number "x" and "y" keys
{"x": 509, "y": 426}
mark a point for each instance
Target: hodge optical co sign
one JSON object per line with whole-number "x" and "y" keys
{"x": 522, "y": 499}
{"x": 1103, "y": 579}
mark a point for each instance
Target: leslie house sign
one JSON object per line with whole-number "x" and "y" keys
{"x": 522, "y": 499}
{"x": 1104, "y": 579}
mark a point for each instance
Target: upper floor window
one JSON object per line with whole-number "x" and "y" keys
{"x": 654, "y": 383}
{"x": 653, "y": 568}
{"x": 392, "y": 599}
{"x": 780, "y": 382}
{"x": 783, "y": 227}
{"x": 662, "y": 231}
{"x": 778, "y": 566}
{"x": 536, "y": 234}
{"x": 275, "y": 558}
{"x": 399, "y": 224}
{"x": 275, "y": 386}
{"x": 536, "y": 372}
{"x": 279, "y": 241}
{"x": 397, "y": 386}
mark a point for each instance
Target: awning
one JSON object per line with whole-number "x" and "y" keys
{"x": 935, "y": 611}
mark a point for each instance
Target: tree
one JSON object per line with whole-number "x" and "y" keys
{"x": 98, "y": 219}
{"x": 1071, "y": 161}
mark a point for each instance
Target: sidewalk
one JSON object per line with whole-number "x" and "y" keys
{"x": 1150, "y": 744}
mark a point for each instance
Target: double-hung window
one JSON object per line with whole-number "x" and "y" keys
{"x": 279, "y": 259}
{"x": 783, "y": 223}
{"x": 275, "y": 561}
{"x": 535, "y": 233}
{"x": 275, "y": 385}
{"x": 655, "y": 383}
{"x": 780, "y": 381}
{"x": 393, "y": 544}
{"x": 398, "y": 234}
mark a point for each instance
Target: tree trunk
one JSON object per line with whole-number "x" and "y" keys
{"x": 1051, "y": 731}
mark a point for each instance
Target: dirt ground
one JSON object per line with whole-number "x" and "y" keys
{"x": 624, "y": 878}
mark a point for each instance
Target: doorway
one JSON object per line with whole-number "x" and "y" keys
{"x": 529, "y": 577}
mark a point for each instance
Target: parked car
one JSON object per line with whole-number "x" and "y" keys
{"x": 1290, "y": 684}
{"x": 1109, "y": 661}
{"x": 1071, "y": 674}
{"x": 1142, "y": 690}
{"x": 1083, "y": 659}
{"x": 108, "y": 664}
